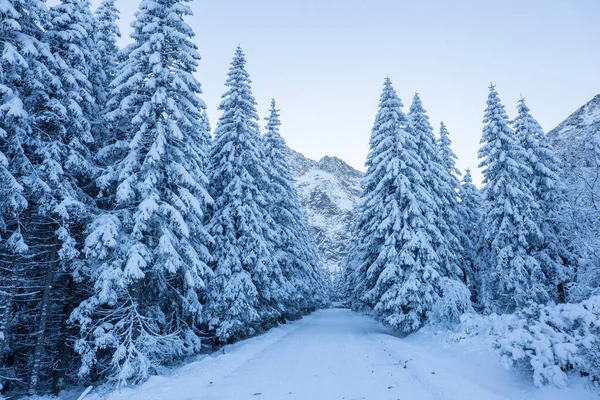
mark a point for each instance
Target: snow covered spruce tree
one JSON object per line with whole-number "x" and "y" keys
{"x": 394, "y": 267}
{"x": 451, "y": 209}
{"x": 70, "y": 34}
{"x": 248, "y": 291}
{"x": 442, "y": 185}
{"x": 105, "y": 38}
{"x": 14, "y": 124}
{"x": 295, "y": 251}
{"x": 556, "y": 259}
{"x": 470, "y": 207}
{"x": 71, "y": 31}
{"x": 447, "y": 156}
{"x": 17, "y": 41}
{"x": 48, "y": 155}
{"x": 362, "y": 253}
{"x": 106, "y": 35}
{"x": 148, "y": 249}
{"x": 509, "y": 273}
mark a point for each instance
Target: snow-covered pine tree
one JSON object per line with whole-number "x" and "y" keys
{"x": 361, "y": 254}
{"x": 148, "y": 250}
{"x": 70, "y": 35}
{"x": 442, "y": 186}
{"x": 106, "y": 35}
{"x": 447, "y": 156}
{"x": 510, "y": 276}
{"x": 395, "y": 267}
{"x": 71, "y": 31}
{"x": 451, "y": 211}
{"x": 470, "y": 207}
{"x": 240, "y": 300}
{"x": 295, "y": 250}
{"x": 14, "y": 122}
{"x": 556, "y": 259}
{"x": 41, "y": 247}
{"x": 14, "y": 128}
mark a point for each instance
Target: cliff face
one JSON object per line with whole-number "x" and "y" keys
{"x": 328, "y": 190}
{"x": 573, "y": 138}
{"x": 576, "y": 142}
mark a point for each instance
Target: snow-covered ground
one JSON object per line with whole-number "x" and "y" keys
{"x": 339, "y": 354}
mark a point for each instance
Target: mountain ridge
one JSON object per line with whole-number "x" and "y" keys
{"x": 576, "y": 133}
{"x": 328, "y": 190}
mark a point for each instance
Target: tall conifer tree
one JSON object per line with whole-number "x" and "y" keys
{"x": 148, "y": 250}
{"x": 554, "y": 255}
{"x": 447, "y": 156}
{"x": 71, "y": 38}
{"x": 450, "y": 210}
{"x": 295, "y": 250}
{"x": 470, "y": 208}
{"x": 106, "y": 35}
{"x": 510, "y": 275}
{"x": 241, "y": 299}
{"x": 396, "y": 268}
{"x": 46, "y": 159}
{"x": 441, "y": 185}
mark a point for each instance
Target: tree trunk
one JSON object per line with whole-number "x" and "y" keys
{"x": 38, "y": 351}
{"x": 65, "y": 353}
{"x": 7, "y": 304}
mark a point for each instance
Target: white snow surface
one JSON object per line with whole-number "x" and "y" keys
{"x": 340, "y": 354}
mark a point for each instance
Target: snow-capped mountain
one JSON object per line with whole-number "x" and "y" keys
{"x": 577, "y": 142}
{"x": 572, "y": 138}
{"x": 574, "y": 141}
{"x": 328, "y": 190}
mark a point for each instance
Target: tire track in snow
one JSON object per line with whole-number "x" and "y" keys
{"x": 438, "y": 381}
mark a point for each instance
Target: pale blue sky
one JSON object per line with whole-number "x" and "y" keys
{"x": 325, "y": 61}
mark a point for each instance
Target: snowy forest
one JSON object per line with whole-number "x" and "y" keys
{"x": 133, "y": 235}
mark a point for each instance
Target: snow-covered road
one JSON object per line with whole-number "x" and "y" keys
{"x": 339, "y": 354}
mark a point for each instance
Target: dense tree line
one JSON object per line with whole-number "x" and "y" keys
{"x": 427, "y": 248}
{"x": 128, "y": 236}
{"x": 131, "y": 235}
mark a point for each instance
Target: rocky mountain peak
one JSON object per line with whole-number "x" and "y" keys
{"x": 338, "y": 167}
{"x": 587, "y": 115}
{"x": 328, "y": 190}
{"x": 572, "y": 138}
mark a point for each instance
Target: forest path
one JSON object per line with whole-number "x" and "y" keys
{"x": 340, "y": 354}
